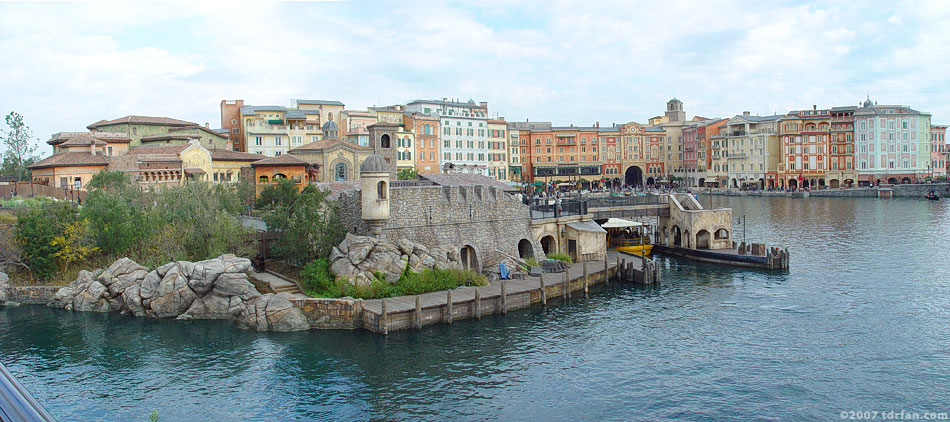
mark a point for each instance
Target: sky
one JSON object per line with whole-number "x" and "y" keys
{"x": 66, "y": 65}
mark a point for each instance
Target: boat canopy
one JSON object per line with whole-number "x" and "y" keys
{"x": 619, "y": 223}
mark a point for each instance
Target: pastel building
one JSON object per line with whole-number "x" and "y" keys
{"x": 892, "y": 143}
{"x": 805, "y": 136}
{"x": 751, "y": 147}
{"x": 464, "y": 133}
{"x": 497, "y": 149}
{"x": 274, "y": 130}
{"x": 938, "y": 150}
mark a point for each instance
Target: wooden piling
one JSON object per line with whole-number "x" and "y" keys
{"x": 448, "y": 306}
{"x": 478, "y": 304}
{"x": 618, "y": 267}
{"x": 585, "y": 278}
{"x": 544, "y": 299}
{"x": 564, "y": 287}
{"x": 606, "y": 270}
{"x": 418, "y": 316}
{"x": 384, "y": 319}
{"x": 504, "y": 298}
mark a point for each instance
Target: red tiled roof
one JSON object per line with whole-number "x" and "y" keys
{"x": 324, "y": 144}
{"x": 280, "y": 160}
{"x": 142, "y": 120}
{"x": 61, "y": 137}
{"x": 164, "y": 149}
{"x": 225, "y": 155}
{"x": 71, "y": 159}
{"x": 170, "y": 137}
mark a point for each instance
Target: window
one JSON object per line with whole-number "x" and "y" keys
{"x": 381, "y": 190}
{"x": 340, "y": 171}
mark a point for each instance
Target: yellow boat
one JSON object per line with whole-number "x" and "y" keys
{"x": 628, "y": 236}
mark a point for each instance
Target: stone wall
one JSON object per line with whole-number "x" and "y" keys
{"x": 487, "y": 219}
{"x": 35, "y": 295}
{"x": 331, "y": 313}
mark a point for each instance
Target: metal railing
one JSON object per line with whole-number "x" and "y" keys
{"x": 16, "y": 404}
{"x": 556, "y": 208}
{"x": 625, "y": 201}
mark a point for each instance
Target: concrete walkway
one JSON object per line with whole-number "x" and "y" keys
{"x": 278, "y": 284}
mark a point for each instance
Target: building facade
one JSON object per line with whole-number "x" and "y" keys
{"x": 892, "y": 142}
{"x": 938, "y": 151}
{"x": 274, "y": 130}
{"x": 750, "y": 146}
{"x": 464, "y": 133}
{"x": 150, "y": 130}
{"x": 805, "y": 136}
{"x": 425, "y": 130}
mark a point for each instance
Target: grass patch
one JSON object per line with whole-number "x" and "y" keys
{"x": 317, "y": 281}
{"x": 7, "y": 218}
{"x": 561, "y": 257}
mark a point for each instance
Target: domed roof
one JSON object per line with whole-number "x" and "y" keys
{"x": 374, "y": 164}
{"x": 868, "y": 103}
{"x": 330, "y": 125}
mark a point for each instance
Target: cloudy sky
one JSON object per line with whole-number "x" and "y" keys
{"x": 66, "y": 65}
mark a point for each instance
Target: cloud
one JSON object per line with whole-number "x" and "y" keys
{"x": 67, "y": 65}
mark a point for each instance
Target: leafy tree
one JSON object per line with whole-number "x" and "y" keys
{"x": 407, "y": 174}
{"x": 282, "y": 193}
{"x": 116, "y": 212}
{"x": 73, "y": 244}
{"x": 35, "y": 231}
{"x": 10, "y": 168}
{"x": 19, "y": 142}
{"x": 307, "y": 226}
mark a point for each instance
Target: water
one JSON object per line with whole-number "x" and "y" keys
{"x": 858, "y": 323}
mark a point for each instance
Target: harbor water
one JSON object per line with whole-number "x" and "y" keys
{"x": 859, "y": 323}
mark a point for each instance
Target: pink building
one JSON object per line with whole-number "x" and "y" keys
{"x": 938, "y": 150}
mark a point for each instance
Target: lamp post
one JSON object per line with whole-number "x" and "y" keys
{"x": 742, "y": 219}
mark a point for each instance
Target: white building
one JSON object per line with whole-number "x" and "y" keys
{"x": 464, "y": 133}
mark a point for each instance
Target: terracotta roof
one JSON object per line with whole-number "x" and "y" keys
{"x": 170, "y": 137}
{"x": 461, "y": 179}
{"x": 113, "y": 137}
{"x": 164, "y": 149}
{"x": 225, "y": 155}
{"x": 324, "y": 144}
{"x": 142, "y": 120}
{"x": 280, "y": 160}
{"x": 215, "y": 132}
{"x": 71, "y": 159}
{"x": 81, "y": 140}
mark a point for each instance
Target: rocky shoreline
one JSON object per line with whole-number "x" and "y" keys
{"x": 213, "y": 289}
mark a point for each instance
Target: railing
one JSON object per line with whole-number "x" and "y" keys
{"x": 556, "y": 208}
{"x": 16, "y": 404}
{"x": 625, "y": 201}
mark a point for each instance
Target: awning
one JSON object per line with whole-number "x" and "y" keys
{"x": 194, "y": 171}
{"x": 586, "y": 226}
{"x": 619, "y": 223}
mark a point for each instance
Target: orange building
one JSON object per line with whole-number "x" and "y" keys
{"x": 804, "y": 136}
{"x": 426, "y": 136}
{"x": 269, "y": 170}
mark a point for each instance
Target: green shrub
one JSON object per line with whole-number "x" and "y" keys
{"x": 561, "y": 257}
{"x": 531, "y": 261}
{"x": 34, "y": 232}
{"x": 317, "y": 281}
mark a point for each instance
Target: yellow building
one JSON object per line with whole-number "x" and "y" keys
{"x": 226, "y": 166}
{"x": 405, "y": 148}
{"x": 275, "y": 130}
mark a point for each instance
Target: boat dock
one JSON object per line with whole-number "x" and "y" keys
{"x": 405, "y": 312}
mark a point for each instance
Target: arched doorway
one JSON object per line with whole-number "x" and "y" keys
{"x": 687, "y": 242}
{"x": 548, "y": 244}
{"x": 525, "y": 250}
{"x": 469, "y": 259}
{"x": 702, "y": 239}
{"x": 384, "y": 141}
{"x": 848, "y": 183}
{"x": 677, "y": 236}
{"x": 702, "y": 182}
{"x": 892, "y": 180}
{"x": 905, "y": 181}
{"x": 633, "y": 176}
{"x": 761, "y": 183}
{"x": 650, "y": 180}
{"x": 734, "y": 183}
{"x": 805, "y": 184}
{"x": 821, "y": 184}
{"x": 834, "y": 183}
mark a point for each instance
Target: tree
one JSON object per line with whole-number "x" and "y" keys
{"x": 116, "y": 211}
{"x": 407, "y": 174}
{"x": 307, "y": 228}
{"x": 282, "y": 193}
{"x": 73, "y": 244}
{"x": 36, "y": 228}
{"x": 19, "y": 143}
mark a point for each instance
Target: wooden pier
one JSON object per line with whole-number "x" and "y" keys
{"x": 404, "y": 312}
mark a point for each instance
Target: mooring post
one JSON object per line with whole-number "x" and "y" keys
{"x": 585, "y": 278}
{"x": 504, "y": 297}
{"x": 418, "y": 312}
{"x": 383, "y": 319}
{"x": 544, "y": 299}
{"x": 617, "y": 273}
{"x": 478, "y": 304}
{"x": 448, "y": 306}
{"x": 606, "y": 265}
{"x": 564, "y": 286}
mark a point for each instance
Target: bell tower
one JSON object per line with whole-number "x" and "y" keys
{"x": 382, "y": 137}
{"x": 374, "y": 187}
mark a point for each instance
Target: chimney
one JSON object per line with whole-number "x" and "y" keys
{"x": 207, "y": 125}
{"x": 92, "y": 147}
{"x": 596, "y": 124}
{"x": 745, "y": 113}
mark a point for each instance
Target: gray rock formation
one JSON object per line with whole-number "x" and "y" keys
{"x": 213, "y": 289}
{"x": 358, "y": 258}
{"x": 4, "y": 288}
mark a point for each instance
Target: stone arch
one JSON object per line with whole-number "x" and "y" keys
{"x": 677, "y": 236}
{"x": 262, "y": 179}
{"x": 721, "y": 233}
{"x": 892, "y": 180}
{"x": 821, "y": 183}
{"x": 651, "y": 180}
{"x": 384, "y": 141}
{"x": 469, "y": 258}
{"x": 687, "y": 241}
{"x": 548, "y": 244}
{"x": 734, "y": 183}
{"x": 702, "y": 239}
{"x": 702, "y": 182}
{"x": 905, "y": 180}
{"x": 834, "y": 183}
{"x": 792, "y": 183}
{"x": 848, "y": 183}
{"x": 278, "y": 176}
{"x": 381, "y": 191}
{"x": 525, "y": 249}
{"x": 633, "y": 176}
{"x": 761, "y": 183}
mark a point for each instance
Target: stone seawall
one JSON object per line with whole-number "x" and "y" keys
{"x": 32, "y": 295}
{"x": 346, "y": 314}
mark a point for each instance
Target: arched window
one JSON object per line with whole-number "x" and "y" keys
{"x": 384, "y": 141}
{"x": 279, "y": 176}
{"x": 381, "y": 190}
{"x": 262, "y": 179}
{"x": 340, "y": 171}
